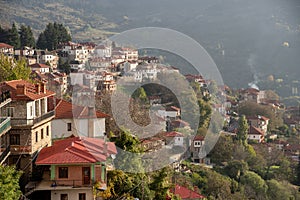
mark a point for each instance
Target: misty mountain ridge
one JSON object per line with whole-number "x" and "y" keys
{"x": 244, "y": 38}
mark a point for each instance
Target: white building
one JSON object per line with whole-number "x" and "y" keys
{"x": 76, "y": 120}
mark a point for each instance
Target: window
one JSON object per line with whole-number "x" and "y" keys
{"x": 63, "y": 196}
{"x": 10, "y": 112}
{"x": 36, "y": 136}
{"x": 31, "y": 111}
{"x": 42, "y": 133}
{"x": 15, "y": 139}
{"x": 69, "y": 126}
{"x": 63, "y": 172}
{"x": 82, "y": 196}
{"x": 47, "y": 130}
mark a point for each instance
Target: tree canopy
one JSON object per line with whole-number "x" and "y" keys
{"x": 9, "y": 183}
{"x": 53, "y": 34}
{"x": 11, "y": 69}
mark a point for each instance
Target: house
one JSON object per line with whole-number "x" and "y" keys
{"x": 55, "y": 81}
{"x": 6, "y": 49}
{"x": 174, "y": 138}
{"x": 152, "y": 144}
{"x": 106, "y": 84}
{"x": 198, "y": 153}
{"x": 103, "y": 51}
{"x": 185, "y": 193}
{"x": 256, "y": 134}
{"x": 47, "y": 57}
{"x": 76, "y": 120}
{"x": 31, "y": 117}
{"x": 154, "y": 100}
{"x": 148, "y": 59}
{"x": 252, "y": 95}
{"x": 259, "y": 121}
{"x": 171, "y": 112}
{"x": 42, "y": 68}
{"x": 72, "y": 167}
{"x": 5, "y": 126}
{"x": 83, "y": 95}
{"x": 76, "y": 65}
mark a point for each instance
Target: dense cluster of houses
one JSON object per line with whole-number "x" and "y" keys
{"x": 61, "y": 146}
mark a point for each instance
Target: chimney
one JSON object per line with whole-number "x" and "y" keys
{"x": 91, "y": 111}
{"x": 43, "y": 88}
{"x": 21, "y": 89}
{"x": 38, "y": 88}
{"x": 91, "y": 121}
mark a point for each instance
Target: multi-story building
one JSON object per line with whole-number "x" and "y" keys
{"x": 4, "y": 127}
{"x": 72, "y": 167}
{"x": 6, "y": 49}
{"x": 106, "y": 84}
{"x": 30, "y": 121}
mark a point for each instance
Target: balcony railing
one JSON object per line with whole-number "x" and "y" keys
{"x": 4, "y": 124}
{"x": 4, "y": 98}
{"x": 20, "y": 149}
{"x": 30, "y": 122}
{"x": 3, "y": 153}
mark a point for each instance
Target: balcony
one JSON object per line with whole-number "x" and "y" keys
{"x": 17, "y": 149}
{"x": 4, "y": 153}
{"x": 5, "y": 125}
{"x": 4, "y": 98}
{"x": 31, "y": 122}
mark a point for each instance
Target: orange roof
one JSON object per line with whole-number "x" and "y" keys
{"x": 186, "y": 193}
{"x": 67, "y": 110}
{"x": 4, "y": 45}
{"x": 39, "y": 65}
{"x": 198, "y": 138}
{"x": 30, "y": 90}
{"x": 255, "y": 131}
{"x": 76, "y": 150}
{"x": 173, "y": 134}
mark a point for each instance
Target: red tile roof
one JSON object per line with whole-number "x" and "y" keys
{"x": 67, "y": 110}
{"x": 255, "y": 131}
{"x": 76, "y": 150}
{"x": 173, "y": 134}
{"x": 30, "y": 90}
{"x": 198, "y": 138}
{"x": 39, "y": 65}
{"x": 4, "y": 45}
{"x": 186, "y": 193}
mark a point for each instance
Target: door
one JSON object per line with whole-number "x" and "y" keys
{"x": 86, "y": 175}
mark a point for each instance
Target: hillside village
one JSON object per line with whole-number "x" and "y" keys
{"x": 58, "y": 129}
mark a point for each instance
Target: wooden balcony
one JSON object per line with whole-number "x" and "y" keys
{"x": 5, "y": 125}
{"x": 17, "y": 149}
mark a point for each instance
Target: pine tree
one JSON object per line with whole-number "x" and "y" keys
{"x": 13, "y": 37}
{"x": 26, "y": 36}
{"x": 3, "y": 35}
{"x": 52, "y": 36}
{"x": 41, "y": 42}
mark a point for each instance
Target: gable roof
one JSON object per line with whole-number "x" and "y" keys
{"x": 76, "y": 150}
{"x": 4, "y": 45}
{"x": 39, "y": 65}
{"x": 29, "y": 88}
{"x": 186, "y": 193}
{"x": 67, "y": 110}
{"x": 173, "y": 134}
{"x": 255, "y": 131}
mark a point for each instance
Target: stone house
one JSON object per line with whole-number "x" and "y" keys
{"x": 31, "y": 117}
